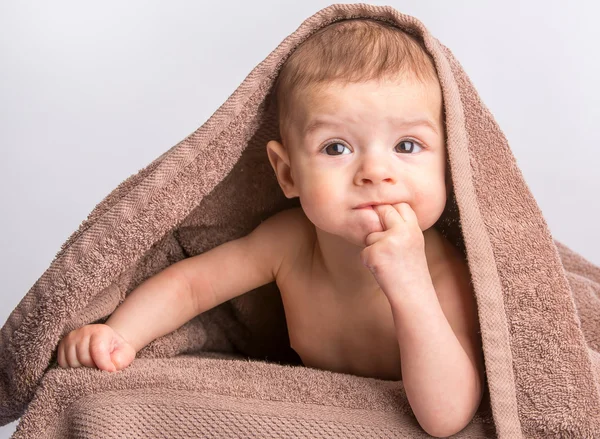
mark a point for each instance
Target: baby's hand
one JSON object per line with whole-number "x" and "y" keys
{"x": 95, "y": 345}
{"x": 396, "y": 255}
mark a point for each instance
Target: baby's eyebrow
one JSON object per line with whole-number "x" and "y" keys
{"x": 318, "y": 123}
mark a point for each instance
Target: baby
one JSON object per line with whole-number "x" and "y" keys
{"x": 369, "y": 285}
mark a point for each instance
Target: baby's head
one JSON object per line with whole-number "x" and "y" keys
{"x": 345, "y": 99}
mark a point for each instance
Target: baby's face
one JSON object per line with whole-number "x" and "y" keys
{"x": 352, "y": 144}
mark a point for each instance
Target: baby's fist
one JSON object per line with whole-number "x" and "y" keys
{"x": 95, "y": 345}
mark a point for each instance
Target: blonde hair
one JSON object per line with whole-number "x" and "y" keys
{"x": 353, "y": 50}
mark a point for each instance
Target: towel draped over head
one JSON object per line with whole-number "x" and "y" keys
{"x": 538, "y": 301}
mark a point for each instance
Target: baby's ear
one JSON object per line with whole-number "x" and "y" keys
{"x": 280, "y": 161}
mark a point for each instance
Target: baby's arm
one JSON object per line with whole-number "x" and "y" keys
{"x": 442, "y": 361}
{"x": 166, "y": 301}
{"x": 158, "y": 306}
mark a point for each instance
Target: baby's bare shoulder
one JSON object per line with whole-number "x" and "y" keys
{"x": 294, "y": 223}
{"x": 299, "y": 232}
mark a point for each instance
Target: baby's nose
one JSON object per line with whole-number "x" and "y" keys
{"x": 375, "y": 172}
{"x": 376, "y": 180}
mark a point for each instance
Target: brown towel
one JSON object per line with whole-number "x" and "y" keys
{"x": 538, "y": 301}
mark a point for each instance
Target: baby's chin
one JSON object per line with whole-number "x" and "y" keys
{"x": 368, "y": 221}
{"x": 355, "y": 229}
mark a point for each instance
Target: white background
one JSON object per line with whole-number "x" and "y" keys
{"x": 91, "y": 93}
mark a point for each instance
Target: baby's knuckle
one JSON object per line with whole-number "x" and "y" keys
{"x": 96, "y": 348}
{"x": 395, "y": 241}
{"x": 88, "y": 330}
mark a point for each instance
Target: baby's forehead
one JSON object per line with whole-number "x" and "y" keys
{"x": 318, "y": 95}
{"x": 329, "y": 99}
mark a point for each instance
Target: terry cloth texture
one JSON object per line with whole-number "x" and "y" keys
{"x": 230, "y": 372}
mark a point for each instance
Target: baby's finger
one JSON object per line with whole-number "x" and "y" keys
{"x": 71, "y": 355}
{"x": 388, "y": 216}
{"x": 407, "y": 213}
{"x": 373, "y": 237}
{"x": 83, "y": 352}
{"x": 60, "y": 355}
{"x": 100, "y": 351}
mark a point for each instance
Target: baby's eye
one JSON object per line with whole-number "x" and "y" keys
{"x": 338, "y": 146}
{"x": 412, "y": 142}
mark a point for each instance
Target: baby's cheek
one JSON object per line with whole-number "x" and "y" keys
{"x": 318, "y": 189}
{"x": 429, "y": 205}
{"x": 320, "y": 202}
{"x": 314, "y": 200}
